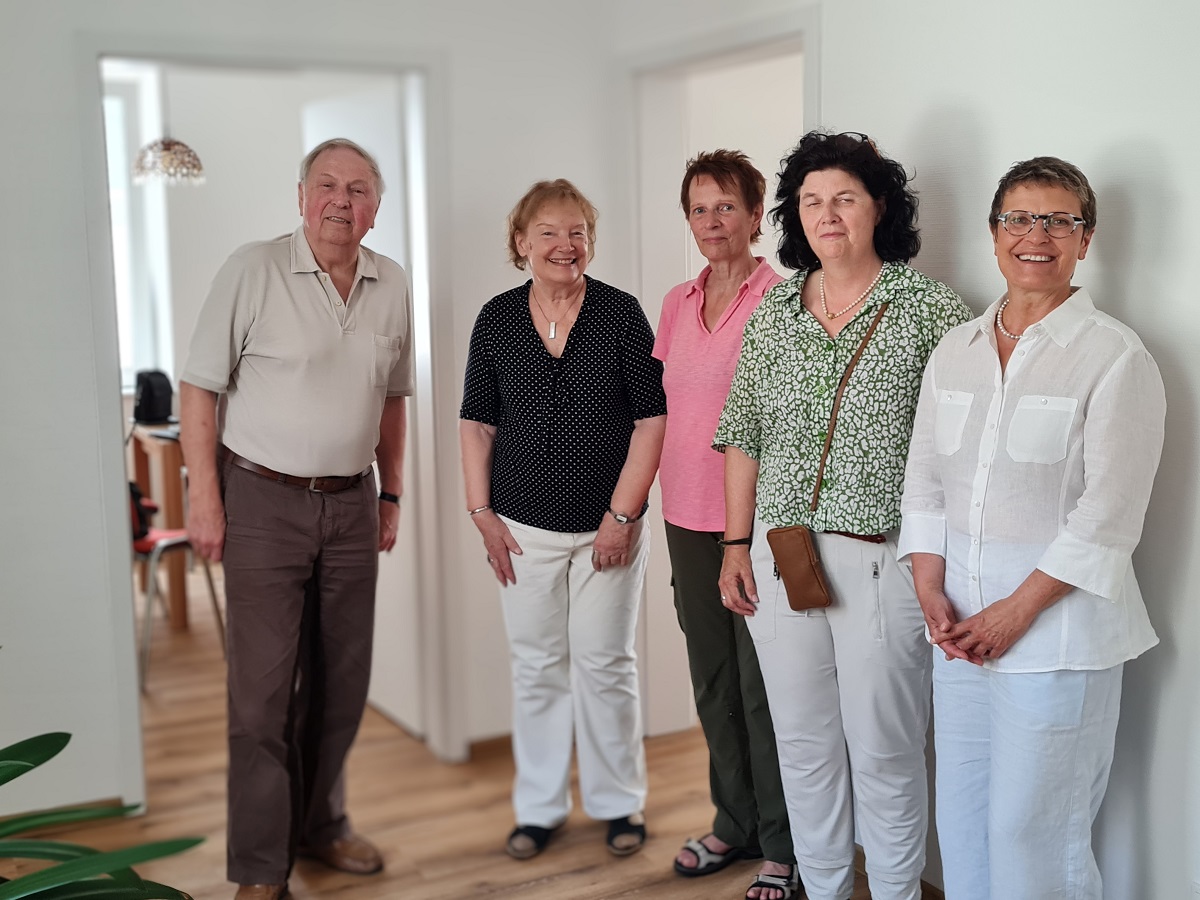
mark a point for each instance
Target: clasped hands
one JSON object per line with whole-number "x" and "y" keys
{"x": 987, "y": 635}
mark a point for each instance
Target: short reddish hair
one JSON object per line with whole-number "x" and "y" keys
{"x": 732, "y": 171}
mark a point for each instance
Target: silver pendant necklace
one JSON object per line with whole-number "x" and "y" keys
{"x": 553, "y": 324}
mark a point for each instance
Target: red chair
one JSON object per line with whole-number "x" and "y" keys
{"x": 149, "y": 549}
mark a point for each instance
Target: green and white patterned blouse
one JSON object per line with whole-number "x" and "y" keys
{"x": 778, "y": 407}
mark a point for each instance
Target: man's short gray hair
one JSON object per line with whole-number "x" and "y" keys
{"x": 333, "y": 144}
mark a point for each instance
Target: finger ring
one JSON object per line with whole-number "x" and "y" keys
{"x": 489, "y": 559}
{"x": 722, "y": 596}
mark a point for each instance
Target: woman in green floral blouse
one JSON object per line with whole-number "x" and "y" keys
{"x": 848, "y": 686}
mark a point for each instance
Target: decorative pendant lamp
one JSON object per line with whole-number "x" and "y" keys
{"x": 170, "y": 160}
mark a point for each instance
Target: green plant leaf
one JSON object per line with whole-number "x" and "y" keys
{"x": 29, "y": 822}
{"x": 60, "y": 851}
{"x": 102, "y": 889}
{"x": 18, "y": 758}
{"x": 91, "y": 866}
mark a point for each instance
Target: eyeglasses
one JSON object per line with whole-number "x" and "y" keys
{"x": 1057, "y": 224}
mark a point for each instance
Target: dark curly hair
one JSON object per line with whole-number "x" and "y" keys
{"x": 897, "y": 238}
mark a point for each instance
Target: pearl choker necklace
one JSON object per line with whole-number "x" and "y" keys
{"x": 861, "y": 297}
{"x": 1000, "y": 322}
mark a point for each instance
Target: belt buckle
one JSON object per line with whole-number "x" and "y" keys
{"x": 312, "y": 484}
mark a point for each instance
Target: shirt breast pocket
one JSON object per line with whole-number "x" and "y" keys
{"x": 387, "y": 354}
{"x": 1041, "y": 428}
{"x": 950, "y": 419}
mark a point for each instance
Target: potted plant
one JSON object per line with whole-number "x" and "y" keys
{"x": 81, "y": 873}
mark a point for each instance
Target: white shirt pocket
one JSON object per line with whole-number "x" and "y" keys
{"x": 1041, "y": 428}
{"x": 950, "y": 419}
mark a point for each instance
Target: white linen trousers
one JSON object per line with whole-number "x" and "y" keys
{"x": 849, "y": 690}
{"x": 1022, "y": 765}
{"x": 570, "y": 634}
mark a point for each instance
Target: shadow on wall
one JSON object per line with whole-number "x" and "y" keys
{"x": 953, "y": 199}
{"x": 1121, "y": 273}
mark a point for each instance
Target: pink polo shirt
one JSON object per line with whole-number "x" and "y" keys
{"x": 697, "y": 371}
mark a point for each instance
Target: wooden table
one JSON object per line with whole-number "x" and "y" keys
{"x": 157, "y": 469}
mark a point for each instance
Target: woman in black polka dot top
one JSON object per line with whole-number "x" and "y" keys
{"x": 563, "y": 416}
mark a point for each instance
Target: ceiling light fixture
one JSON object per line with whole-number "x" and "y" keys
{"x": 170, "y": 160}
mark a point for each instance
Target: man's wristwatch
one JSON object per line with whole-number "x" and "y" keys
{"x": 628, "y": 520}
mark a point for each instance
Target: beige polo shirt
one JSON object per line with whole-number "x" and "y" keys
{"x": 304, "y": 375}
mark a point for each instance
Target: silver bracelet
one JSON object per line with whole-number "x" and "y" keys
{"x": 477, "y": 510}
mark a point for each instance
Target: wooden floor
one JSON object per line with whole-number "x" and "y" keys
{"x": 441, "y": 827}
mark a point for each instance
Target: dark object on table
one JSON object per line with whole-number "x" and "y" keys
{"x": 152, "y": 403}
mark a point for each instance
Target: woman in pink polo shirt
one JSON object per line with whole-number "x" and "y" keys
{"x": 699, "y": 339}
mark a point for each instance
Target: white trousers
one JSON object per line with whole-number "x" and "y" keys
{"x": 1022, "y": 765}
{"x": 570, "y": 634}
{"x": 849, "y": 689}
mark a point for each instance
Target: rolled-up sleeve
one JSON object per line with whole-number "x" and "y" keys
{"x": 922, "y": 508}
{"x": 1122, "y": 444}
{"x": 741, "y": 421}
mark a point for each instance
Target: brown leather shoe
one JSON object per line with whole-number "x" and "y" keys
{"x": 353, "y": 854}
{"x": 261, "y": 892}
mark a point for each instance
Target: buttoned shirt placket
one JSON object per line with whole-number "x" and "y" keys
{"x": 988, "y": 445}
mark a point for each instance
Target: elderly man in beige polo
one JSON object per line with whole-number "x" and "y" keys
{"x": 295, "y": 382}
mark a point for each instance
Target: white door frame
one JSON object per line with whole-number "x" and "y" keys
{"x": 432, "y": 437}
{"x": 666, "y": 688}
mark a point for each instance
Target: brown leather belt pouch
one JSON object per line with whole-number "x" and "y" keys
{"x": 799, "y": 567}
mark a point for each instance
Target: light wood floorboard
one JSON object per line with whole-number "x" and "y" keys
{"x": 440, "y": 827}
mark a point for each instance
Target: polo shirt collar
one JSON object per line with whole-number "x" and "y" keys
{"x": 303, "y": 259}
{"x": 755, "y": 284}
{"x": 1062, "y": 324}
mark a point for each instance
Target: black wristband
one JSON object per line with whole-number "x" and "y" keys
{"x": 390, "y": 498}
{"x": 738, "y": 542}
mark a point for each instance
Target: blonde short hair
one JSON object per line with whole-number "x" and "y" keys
{"x": 544, "y": 193}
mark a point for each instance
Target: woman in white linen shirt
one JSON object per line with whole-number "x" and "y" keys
{"x": 1036, "y": 440}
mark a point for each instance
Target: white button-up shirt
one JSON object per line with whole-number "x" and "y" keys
{"x": 1045, "y": 465}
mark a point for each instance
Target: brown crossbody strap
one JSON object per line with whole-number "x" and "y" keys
{"x": 837, "y": 403}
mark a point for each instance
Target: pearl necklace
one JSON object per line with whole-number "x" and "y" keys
{"x": 1000, "y": 322}
{"x": 861, "y": 297}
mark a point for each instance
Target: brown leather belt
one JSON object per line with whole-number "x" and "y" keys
{"x": 321, "y": 484}
{"x": 869, "y": 538}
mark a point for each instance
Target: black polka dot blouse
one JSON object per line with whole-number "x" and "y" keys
{"x": 562, "y": 425}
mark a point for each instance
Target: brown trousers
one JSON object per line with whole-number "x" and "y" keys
{"x": 300, "y": 572}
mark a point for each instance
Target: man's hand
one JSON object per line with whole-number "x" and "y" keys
{"x": 206, "y": 524}
{"x": 389, "y": 525}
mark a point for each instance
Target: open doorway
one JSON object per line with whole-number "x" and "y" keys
{"x": 250, "y": 127}
{"x": 750, "y": 99}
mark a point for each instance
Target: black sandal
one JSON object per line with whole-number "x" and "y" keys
{"x": 537, "y": 839}
{"x": 789, "y": 884}
{"x": 634, "y": 826}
